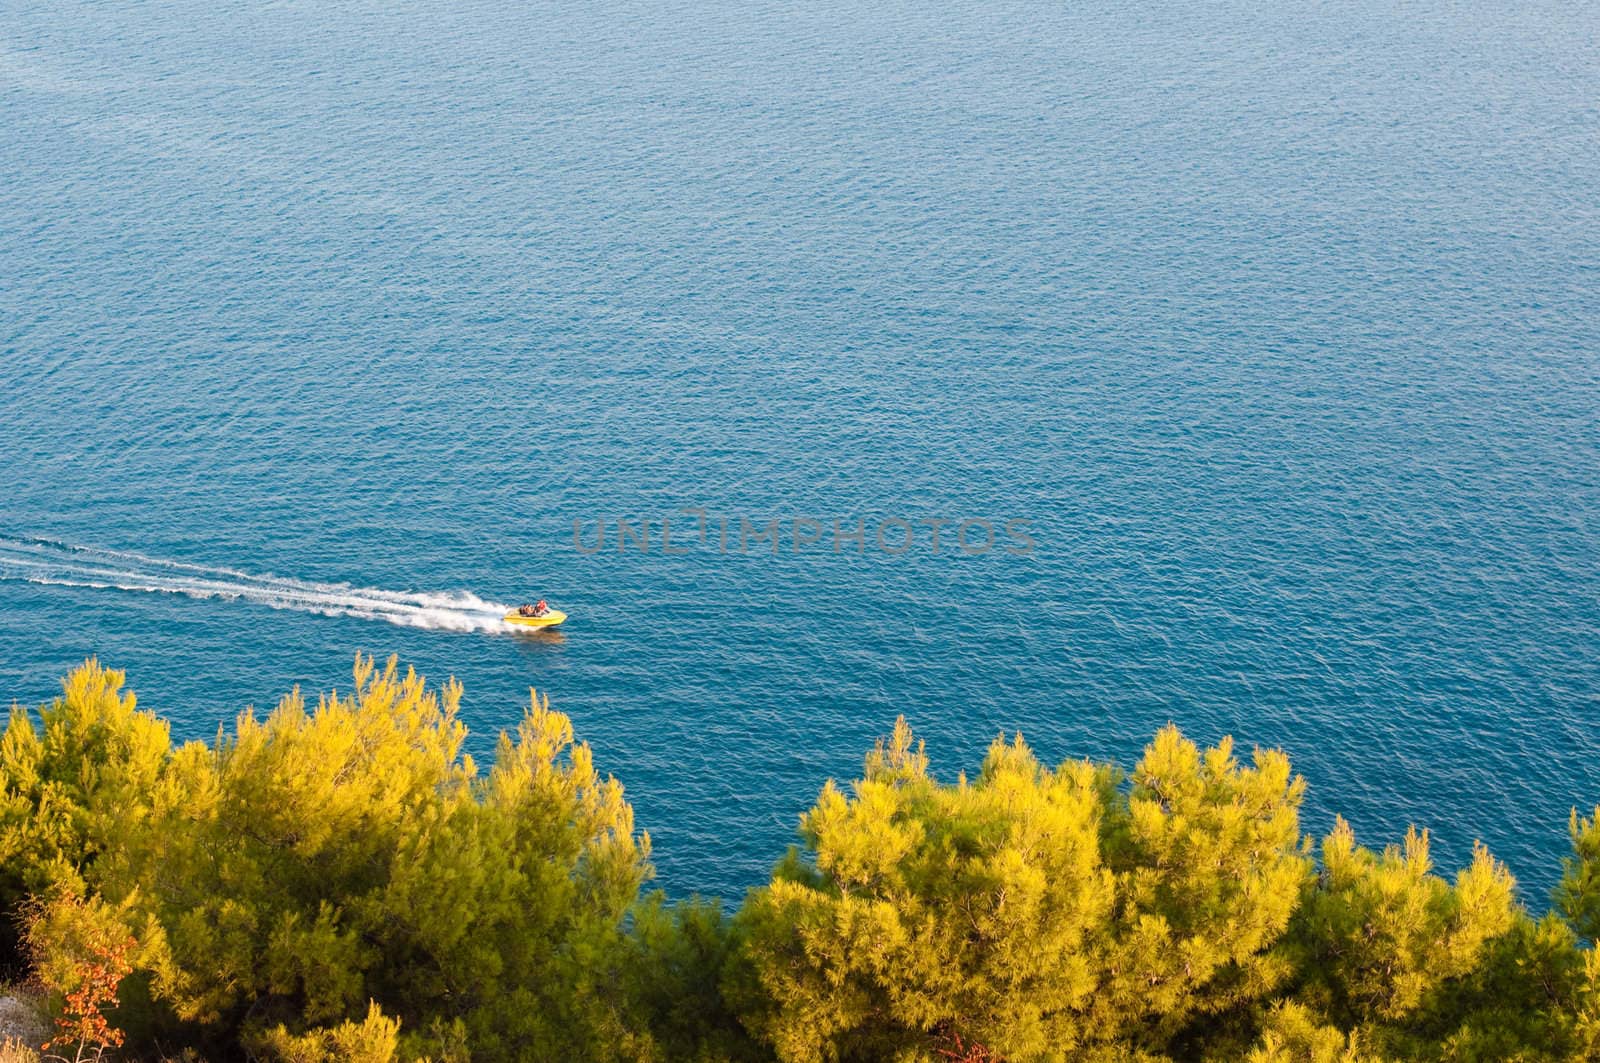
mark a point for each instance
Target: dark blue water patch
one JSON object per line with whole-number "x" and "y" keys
{"x": 1278, "y": 327}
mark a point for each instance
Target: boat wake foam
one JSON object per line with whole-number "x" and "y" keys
{"x": 51, "y": 563}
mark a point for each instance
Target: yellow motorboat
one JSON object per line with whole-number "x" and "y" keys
{"x": 548, "y": 618}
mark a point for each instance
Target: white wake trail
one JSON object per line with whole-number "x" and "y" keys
{"x": 46, "y": 562}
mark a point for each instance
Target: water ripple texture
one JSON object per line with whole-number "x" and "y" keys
{"x": 1279, "y": 326}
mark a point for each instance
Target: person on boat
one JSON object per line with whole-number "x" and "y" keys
{"x": 541, "y": 609}
{"x": 525, "y": 610}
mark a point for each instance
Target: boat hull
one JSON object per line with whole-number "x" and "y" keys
{"x": 550, "y": 619}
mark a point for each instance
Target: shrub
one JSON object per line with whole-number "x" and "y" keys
{"x": 1027, "y": 914}
{"x": 375, "y": 1039}
{"x": 67, "y": 783}
{"x": 343, "y": 882}
{"x": 313, "y": 861}
{"x": 82, "y": 952}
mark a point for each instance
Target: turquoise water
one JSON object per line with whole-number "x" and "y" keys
{"x": 1277, "y": 327}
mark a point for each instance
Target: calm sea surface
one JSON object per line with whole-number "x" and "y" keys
{"x": 1278, "y": 324}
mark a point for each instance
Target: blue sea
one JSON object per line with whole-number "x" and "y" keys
{"x": 1272, "y": 330}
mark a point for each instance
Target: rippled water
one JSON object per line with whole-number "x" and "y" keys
{"x": 1278, "y": 325}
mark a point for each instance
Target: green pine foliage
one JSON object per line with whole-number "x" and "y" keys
{"x": 310, "y": 864}
{"x": 375, "y": 1039}
{"x": 1028, "y": 912}
{"x": 1578, "y": 895}
{"x": 67, "y": 778}
{"x": 342, "y": 882}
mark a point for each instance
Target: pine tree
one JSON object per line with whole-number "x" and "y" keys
{"x": 67, "y": 782}
{"x": 1027, "y": 914}
{"x": 313, "y": 862}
